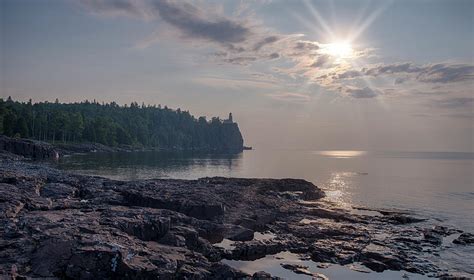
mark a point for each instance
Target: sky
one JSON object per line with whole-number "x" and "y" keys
{"x": 322, "y": 75}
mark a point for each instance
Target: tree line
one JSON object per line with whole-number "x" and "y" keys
{"x": 111, "y": 124}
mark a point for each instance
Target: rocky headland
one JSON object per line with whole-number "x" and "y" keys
{"x": 33, "y": 149}
{"x": 60, "y": 225}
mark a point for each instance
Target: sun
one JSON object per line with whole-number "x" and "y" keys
{"x": 339, "y": 49}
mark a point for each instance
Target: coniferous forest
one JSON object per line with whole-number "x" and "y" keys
{"x": 113, "y": 125}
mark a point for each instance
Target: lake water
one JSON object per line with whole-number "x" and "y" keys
{"x": 436, "y": 185}
{"x": 439, "y": 185}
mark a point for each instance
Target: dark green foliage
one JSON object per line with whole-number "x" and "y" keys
{"x": 111, "y": 124}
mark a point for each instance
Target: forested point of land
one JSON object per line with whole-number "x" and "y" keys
{"x": 113, "y": 125}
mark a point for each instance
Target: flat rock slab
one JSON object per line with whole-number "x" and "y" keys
{"x": 55, "y": 224}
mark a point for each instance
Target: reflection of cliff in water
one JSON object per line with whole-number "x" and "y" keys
{"x": 152, "y": 164}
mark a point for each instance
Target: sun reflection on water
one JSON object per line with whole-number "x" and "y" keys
{"x": 338, "y": 188}
{"x": 341, "y": 154}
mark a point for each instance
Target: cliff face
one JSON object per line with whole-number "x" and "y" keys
{"x": 231, "y": 138}
{"x": 27, "y": 148}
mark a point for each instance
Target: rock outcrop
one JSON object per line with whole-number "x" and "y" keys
{"x": 27, "y": 148}
{"x": 230, "y": 139}
{"x": 60, "y": 225}
{"x": 465, "y": 239}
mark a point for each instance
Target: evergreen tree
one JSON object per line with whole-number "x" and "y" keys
{"x": 22, "y": 128}
{"x": 111, "y": 124}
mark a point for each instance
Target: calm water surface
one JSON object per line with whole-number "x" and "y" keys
{"x": 437, "y": 185}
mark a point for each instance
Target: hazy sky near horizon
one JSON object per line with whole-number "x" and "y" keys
{"x": 370, "y": 75}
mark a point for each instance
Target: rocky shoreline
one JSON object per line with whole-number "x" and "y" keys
{"x": 34, "y": 149}
{"x": 56, "y": 224}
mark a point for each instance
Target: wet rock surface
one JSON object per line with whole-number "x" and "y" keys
{"x": 297, "y": 268}
{"x": 21, "y": 148}
{"x": 465, "y": 239}
{"x": 27, "y": 148}
{"x": 55, "y": 224}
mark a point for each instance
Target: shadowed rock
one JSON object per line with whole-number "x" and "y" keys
{"x": 465, "y": 239}
{"x": 27, "y": 148}
{"x": 55, "y": 224}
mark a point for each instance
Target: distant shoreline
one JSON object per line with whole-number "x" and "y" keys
{"x": 127, "y": 127}
{"x": 41, "y": 150}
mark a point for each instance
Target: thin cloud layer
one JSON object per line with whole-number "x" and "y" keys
{"x": 246, "y": 42}
{"x": 235, "y": 35}
{"x": 432, "y": 73}
{"x": 291, "y": 97}
{"x": 446, "y": 73}
{"x": 265, "y": 41}
{"x": 321, "y": 61}
{"x": 116, "y": 8}
{"x": 187, "y": 18}
{"x": 365, "y": 92}
{"x": 455, "y": 103}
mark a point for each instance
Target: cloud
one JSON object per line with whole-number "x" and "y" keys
{"x": 400, "y": 80}
{"x": 187, "y": 18}
{"x": 191, "y": 22}
{"x": 464, "y": 116}
{"x": 273, "y": 56}
{"x": 446, "y": 73}
{"x": 460, "y": 116}
{"x": 296, "y": 47}
{"x": 306, "y": 45}
{"x": 233, "y": 39}
{"x": 431, "y": 73}
{"x": 236, "y": 40}
{"x": 291, "y": 97}
{"x": 321, "y": 61}
{"x": 454, "y": 102}
{"x": 391, "y": 69}
{"x": 430, "y": 92}
{"x": 265, "y": 41}
{"x": 408, "y": 77}
{"x": 225, "y": 83}
{"x": 240, "y": 60}
{"x": 115, "y": 8}
{"x": 365, "y": 92}
{"x": 349, "y": 74}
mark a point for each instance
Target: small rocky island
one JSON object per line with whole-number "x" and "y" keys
{"x": 59, "y": 225}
